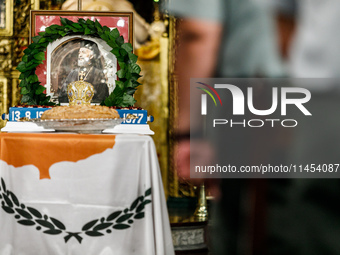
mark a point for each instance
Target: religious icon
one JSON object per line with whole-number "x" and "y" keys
{"x": 62, "y": 55}
{"x": 87, "y": 60}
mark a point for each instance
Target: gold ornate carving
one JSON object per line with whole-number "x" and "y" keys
{"x": 177, "y": 188}
{"x": 80, "y": 92}
{"x": 4, "y": 101}
{"x": 11, "y": 52}
{"x": 18, "y": 50}
{"x": 35, "y": 4}
{"x": 14, "y": 90}
{"x": 8, "y": 26}
{"x": 173, "y": 92}
{"x": 21, "y": 17}
{"x": 5, "y": 55}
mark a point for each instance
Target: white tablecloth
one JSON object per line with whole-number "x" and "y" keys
{"x": 100, "y": 205}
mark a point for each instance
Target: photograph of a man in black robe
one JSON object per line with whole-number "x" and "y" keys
{"x": 89, "y": 66}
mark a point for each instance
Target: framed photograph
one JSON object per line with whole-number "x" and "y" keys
{"x": 75, "y": 57}
{"x": 6, "y": 18}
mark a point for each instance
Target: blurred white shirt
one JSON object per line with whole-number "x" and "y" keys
{"x": 249, "y": 47}
{"x": 315, "y": 50}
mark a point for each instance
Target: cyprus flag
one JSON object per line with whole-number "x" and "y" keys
{"x": 69, "y": 194}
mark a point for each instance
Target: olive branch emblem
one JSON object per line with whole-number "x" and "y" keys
{"x": 29, "y": 216}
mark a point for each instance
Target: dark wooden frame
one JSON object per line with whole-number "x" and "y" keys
{"x": 35, "y": 14}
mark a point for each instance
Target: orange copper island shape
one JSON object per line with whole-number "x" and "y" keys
{"x": 44, "y": 150}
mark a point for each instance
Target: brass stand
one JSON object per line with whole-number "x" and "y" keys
{"x": 201, "y": 212}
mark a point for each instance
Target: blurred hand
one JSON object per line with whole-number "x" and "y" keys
{"x": 202, "y": 153}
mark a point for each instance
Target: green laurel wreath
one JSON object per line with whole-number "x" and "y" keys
{"x": 33, "y": 92}
{"x": 30, "y": 216}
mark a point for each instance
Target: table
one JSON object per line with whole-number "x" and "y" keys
{"x": 81, "y": 194}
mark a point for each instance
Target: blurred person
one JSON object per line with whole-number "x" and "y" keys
{"x": 223, "y": 38}
{"x": 301, "y": 214}
{"x": 306, "y": 220}
{"x": 285, "y": 12}
{"x": 315, "y": 51}
{"x": 309, "y": 41}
